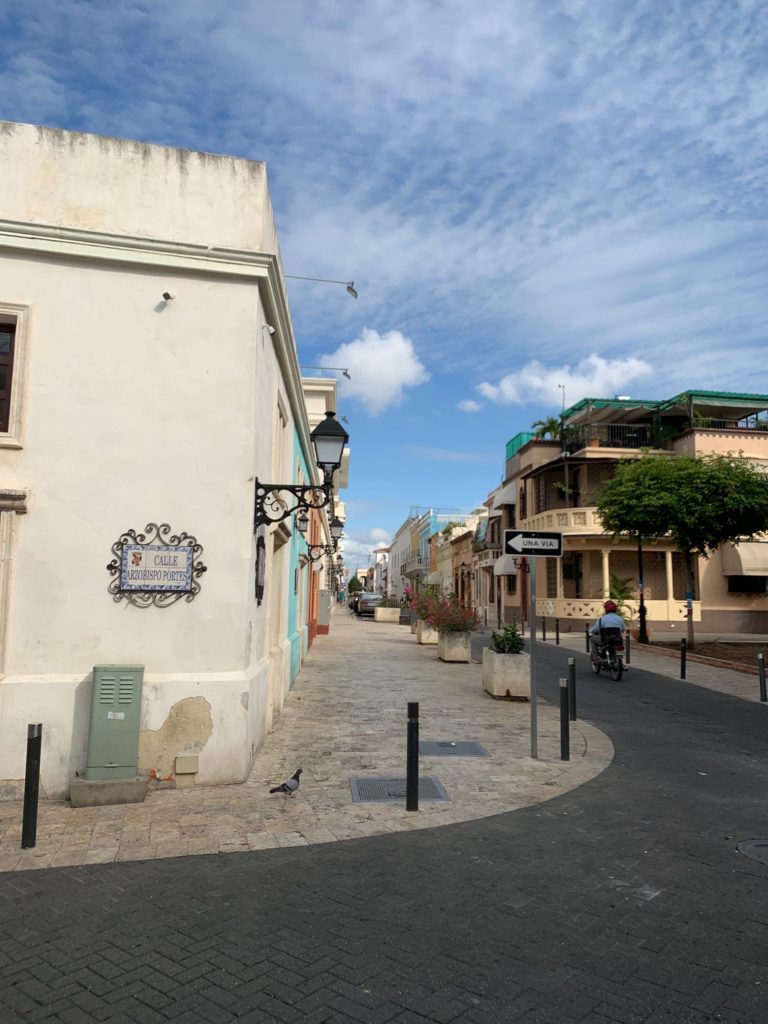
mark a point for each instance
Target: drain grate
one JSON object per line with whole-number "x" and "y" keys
{"x": 755, "y": 849}
{"x": 451, "y": 748}
{"x": 366, "y": 791}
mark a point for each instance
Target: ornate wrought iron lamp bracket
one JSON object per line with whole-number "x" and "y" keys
{"x": 316, "y": 551}
{"x": 271, "y": 508}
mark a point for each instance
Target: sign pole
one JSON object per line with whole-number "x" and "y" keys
{"x": 532, "y": 659}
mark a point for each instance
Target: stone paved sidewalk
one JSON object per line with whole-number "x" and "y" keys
{"x": 345, "y": 716}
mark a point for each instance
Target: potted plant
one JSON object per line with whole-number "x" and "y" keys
{"x": 387, "y": 611}
{"x": 422, "y": 603}
{"x": 506, "y": 666}
{"x": 454, "y": 624}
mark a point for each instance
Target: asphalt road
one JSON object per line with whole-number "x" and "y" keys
{"x": 623, "y": 901}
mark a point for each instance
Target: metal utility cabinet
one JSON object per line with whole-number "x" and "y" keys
{"x": 113, "y": 740}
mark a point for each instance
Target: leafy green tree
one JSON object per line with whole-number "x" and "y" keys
{"x": 354, "y": 584}
{"x": 547, "y": 427}
{"x": 699, "y": 502}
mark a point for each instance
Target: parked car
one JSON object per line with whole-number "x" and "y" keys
{"x": 367, "y": 603}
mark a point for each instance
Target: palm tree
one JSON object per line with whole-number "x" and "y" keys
{"x": 551, "y": 425}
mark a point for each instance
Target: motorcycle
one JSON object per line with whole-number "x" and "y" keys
{"x": 610, "y": 656}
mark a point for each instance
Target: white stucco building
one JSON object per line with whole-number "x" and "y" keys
{"x": 151, "y": 377}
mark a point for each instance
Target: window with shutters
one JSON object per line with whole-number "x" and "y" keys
{"x": 7, "y": 345}
{"x": 12, "y": 333}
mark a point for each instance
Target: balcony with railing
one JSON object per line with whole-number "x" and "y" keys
{"x": 415, "y": 566}
{"x": 583, "y": 521}
{"x": 611, "y": 435}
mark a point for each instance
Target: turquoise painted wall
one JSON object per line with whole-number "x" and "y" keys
{"x": 296, "y": 610}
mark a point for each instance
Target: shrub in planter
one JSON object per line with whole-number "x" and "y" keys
{"x": 454, "y": 624}
{"x": 506, "y": 666}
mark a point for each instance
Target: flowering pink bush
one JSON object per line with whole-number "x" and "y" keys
{"x": 449, "y": 615}
{"x": 422, "y": 602}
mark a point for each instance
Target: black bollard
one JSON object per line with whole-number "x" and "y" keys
{"x": 683, "y": 647}
{"x": 586, "y": 637}
{"x": 572, "y": 687}
{"x": 565, "y": 737}
{"x": 557, "y": 632}
{"x": 544, "y": 628}
{"x": 628, "y": 648}
{"x": 31, "y": 786}
{"x": 761, "y": 673}
{"x": 412, "y": 759}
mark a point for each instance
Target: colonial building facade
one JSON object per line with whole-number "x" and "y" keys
{"x": 149, "y": 378}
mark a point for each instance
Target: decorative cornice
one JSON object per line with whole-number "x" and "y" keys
{"x": 13, "y": 501}
{"x": 265, "y": 268}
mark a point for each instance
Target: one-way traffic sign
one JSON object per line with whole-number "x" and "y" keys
{"x": 531, "y": 542}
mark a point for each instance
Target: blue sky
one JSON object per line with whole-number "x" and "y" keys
{"x": 531, "y": 197}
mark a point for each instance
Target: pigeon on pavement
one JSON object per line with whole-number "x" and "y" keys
{"x": 288, "y": 788}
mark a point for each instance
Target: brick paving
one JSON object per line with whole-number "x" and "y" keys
{"x": 344, "y": 717}
{"x": 624, "y": 900}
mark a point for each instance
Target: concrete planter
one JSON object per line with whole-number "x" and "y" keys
{"x": 425, "y": 634}
{"x": 507, "y": 676}
{"x": 453, "y": 646}
{"x": 386, "y": 614}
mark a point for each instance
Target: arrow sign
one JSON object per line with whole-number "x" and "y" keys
{"x": 530, "y": 542}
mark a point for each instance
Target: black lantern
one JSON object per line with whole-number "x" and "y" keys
{"x": 276, "y": 502}
{"x": 329, "y": 439}
{"x": 336, "y": 527}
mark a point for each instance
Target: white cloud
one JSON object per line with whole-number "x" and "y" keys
{"x": 592, "y": 377}
{"x": 536, "y": 179}
{"x": 469, "y": 405}
{"x": 381, "y": 367}
{"x": 357, "y": 546}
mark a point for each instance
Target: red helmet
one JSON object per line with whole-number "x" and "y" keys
{"x": 610, "y": 606}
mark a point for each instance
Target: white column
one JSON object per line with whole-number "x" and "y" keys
{"x": 670, "y": 579}
{"x": 606, "y": 572}
{"x": 559, "y": 578}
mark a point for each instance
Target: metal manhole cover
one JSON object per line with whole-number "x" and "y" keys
{"x": 755, "y": 849}
{"x": 374, "y": 790}
{"x": 451, "y": 748}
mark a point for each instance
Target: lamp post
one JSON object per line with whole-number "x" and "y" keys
{"x": 273, "y": 502}
{"x": 349, "y": 285}
{"x": 642, "y": 636}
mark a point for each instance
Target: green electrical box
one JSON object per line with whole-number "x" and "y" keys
{"x": 113, "y": 741}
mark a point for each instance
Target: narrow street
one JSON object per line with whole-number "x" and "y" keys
{"x": 622, "y": 900}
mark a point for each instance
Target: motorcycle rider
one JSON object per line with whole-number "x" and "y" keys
{"x": 611, "y": 619}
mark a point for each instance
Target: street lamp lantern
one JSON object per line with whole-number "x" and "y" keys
{"x": 329, "y": 439}
{"x": 272, "y": 504}
{"x": 336, "y": 527}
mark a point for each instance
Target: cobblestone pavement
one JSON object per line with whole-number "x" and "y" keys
{"x": 345, "y": 717}
{"x": 624, "y": 900}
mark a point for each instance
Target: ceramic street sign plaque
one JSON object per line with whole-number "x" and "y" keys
{"x": 532, "y": 542}
{"x": 156, "y": 567}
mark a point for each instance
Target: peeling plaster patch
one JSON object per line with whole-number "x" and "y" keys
{"x": 11, "y": 789}
{"x": 186, "y": 730}
{"x": 244, "y": 699}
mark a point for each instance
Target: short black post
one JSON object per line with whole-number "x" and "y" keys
{"x": 628, "y": 648}
{"x": 544, "y": 628}
{"x": 31, "y": 786}
{"x": 572, "y": 688}
{"x": 557, "y": 632}
{"x": 565, "y": 736}
{"x": 586, "y": 637}
{"x": 683, "y": 647}
{"x": 412, "y": 759}
{"x": 761, "y": 673}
